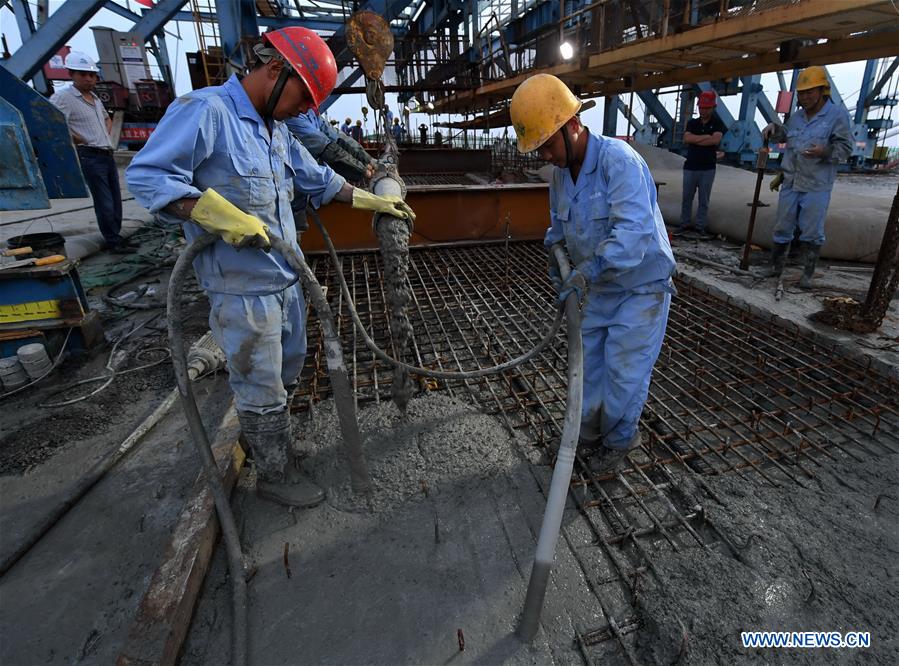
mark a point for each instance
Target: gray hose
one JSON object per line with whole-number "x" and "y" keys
{"x": 201, "y": 444}
{"x": 561, "y": 479}
{"x": 427, "y": 372}
{"x": 340, "y": 383}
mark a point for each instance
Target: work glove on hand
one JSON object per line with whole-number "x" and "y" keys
{"x": 576, "y": 282}
{"x": 767, "y": 131}
{"x": 774, "y": 185}
{"x": 219, "y": 216}
{"x": 389, "y": 204}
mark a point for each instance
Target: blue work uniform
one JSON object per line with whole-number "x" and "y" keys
{"x": 613, "y": 230}
{"x": 808, "y": 181}
{"x": 215, "y": 138}
{"x": 312, "y": 131}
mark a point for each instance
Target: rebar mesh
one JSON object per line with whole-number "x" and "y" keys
{"x": 732, "y": 393}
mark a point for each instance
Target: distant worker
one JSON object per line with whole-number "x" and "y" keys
{"x": 398, "y": 130}
{"x": 347, "y": 127}
{"x": 222, "y": 160}
{"x": 818, "y": 136}
{"x": 356, "y": 132}
{"x": 388, "y": 114}
{"x": 702, "y": 138}
{"x": 423, "y": 133}
{"x": 329, "y": 146}
{"x": 603, "y": 207}
{"x": 90, "y": 126}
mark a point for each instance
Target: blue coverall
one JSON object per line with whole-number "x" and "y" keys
{"x": 808, "y": 181}
{"x": 215, "y": 138}
{"x": 614, "y": 233}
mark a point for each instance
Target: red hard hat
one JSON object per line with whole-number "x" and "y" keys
{"x": 708, "y": 99}
{"x": 310, "y": 58}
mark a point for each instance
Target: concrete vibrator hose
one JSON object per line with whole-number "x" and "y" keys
{"x": 555, "y": 504}
{"x": 343, "y": 397}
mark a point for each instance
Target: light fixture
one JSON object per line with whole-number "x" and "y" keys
{"x": 430, "y": 106}
{"x": 567, "y": 50}
{"x": 418, "y": 11}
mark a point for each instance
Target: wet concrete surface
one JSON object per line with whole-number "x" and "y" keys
{"x": 823, "y": 557}
{"x": 398, "y": 584}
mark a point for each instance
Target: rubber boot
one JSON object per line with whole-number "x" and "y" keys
{"x": 609, "y": 460}
{"x": 278, "y": 478}
{"x": 778, "y": 257}
{"x": 809, "y": 261}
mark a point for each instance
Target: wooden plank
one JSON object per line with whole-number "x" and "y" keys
{"x": 164, "y": 613}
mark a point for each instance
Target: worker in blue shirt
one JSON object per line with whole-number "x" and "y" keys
{"x": 222, "y": 160}
{"x": 340, "y": 152}
{"x": 818, "y": 137}
{"x": 603, "y": 207}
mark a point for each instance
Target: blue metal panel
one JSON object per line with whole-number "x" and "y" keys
{"x": 864, "y": 91}
{"x": 50, "y": 37}
{"x": 237, "y": 19}
{"x": 152, "y": 21}
{"x": 50, "y": 138}
{"x": 22, "y": 11}
{"x": 21, "y": 187}
{"x": 655, "y": 107}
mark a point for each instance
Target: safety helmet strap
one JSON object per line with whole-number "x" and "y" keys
{"x": 277, "y": 90}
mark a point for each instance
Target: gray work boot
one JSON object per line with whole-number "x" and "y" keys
{"x": 809, "y": 260}
{"x": 778, "y": 257}
{"x": 278, "y": 478}
{"x": 609, "y": 461}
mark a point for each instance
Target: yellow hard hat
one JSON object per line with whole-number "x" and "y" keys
{"x": 540, "y": 106}
{"x": 813, "y": 77}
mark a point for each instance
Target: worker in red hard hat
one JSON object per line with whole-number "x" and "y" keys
{"x": 702, "y": 136}
{"x": 222, "y": 161}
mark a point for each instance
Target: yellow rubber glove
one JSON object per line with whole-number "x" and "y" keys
{"x": 389, "y": 204}
{"x": 219, "y": 216}
{"x": 776, "y": 181}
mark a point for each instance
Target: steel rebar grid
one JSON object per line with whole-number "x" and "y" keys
{"x": 732, "y": 393}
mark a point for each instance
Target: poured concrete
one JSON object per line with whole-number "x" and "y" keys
{"x": 395, "y": 585}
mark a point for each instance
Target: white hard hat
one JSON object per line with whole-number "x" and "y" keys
{"x": 80, "y": 62}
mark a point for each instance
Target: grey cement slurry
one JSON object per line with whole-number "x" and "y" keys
{"x": 393, "y": 239}
{"x": 446, "y": 547}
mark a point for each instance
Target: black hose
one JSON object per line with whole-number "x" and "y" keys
{"x": 204, "y": 450}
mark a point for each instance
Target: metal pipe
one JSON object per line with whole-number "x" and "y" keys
{"x": 558, "y": 491}
{"x": 760, "y": 163}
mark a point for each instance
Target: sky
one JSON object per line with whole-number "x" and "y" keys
{"x": 181, "y": 39}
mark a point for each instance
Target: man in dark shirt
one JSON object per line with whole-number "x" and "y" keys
{"x": 702, "y": 138}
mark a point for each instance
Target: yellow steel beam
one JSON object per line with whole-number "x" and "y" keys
{"x": 779, "y": 19}
{"x": 875, "y": 45}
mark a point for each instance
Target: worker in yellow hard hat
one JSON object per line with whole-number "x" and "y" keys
{"x": 817, "y": 137}
{"x": 603, "y": 208}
